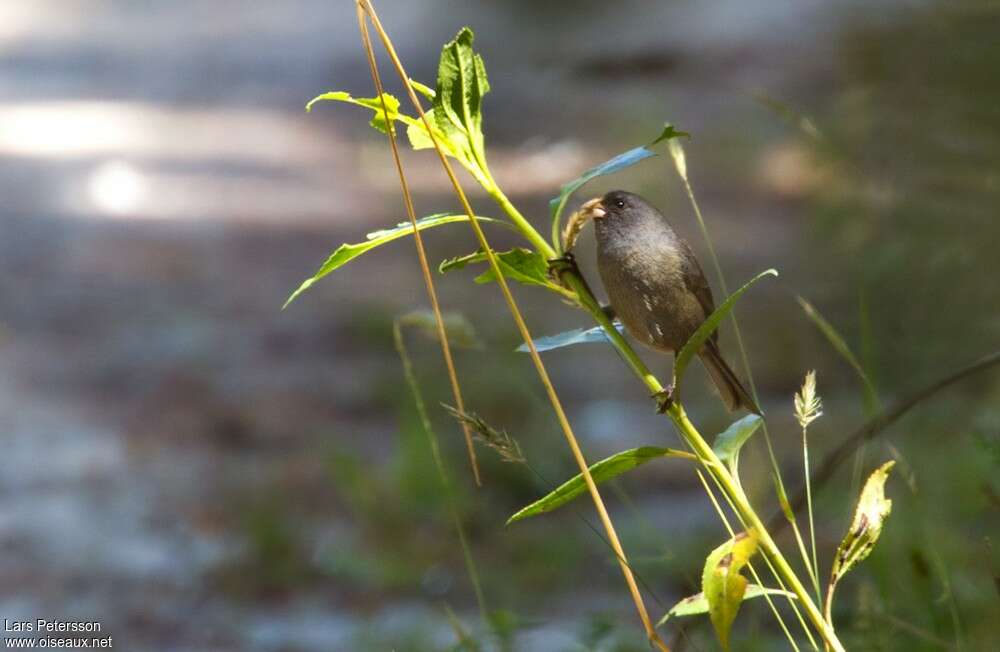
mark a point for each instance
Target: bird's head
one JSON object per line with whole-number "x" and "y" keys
{"x": 615, "y": 205}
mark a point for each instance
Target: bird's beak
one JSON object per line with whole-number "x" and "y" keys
{"x": 593, "y": 209}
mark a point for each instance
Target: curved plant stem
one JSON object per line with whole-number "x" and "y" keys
{"x": 446, "y": 484}
{"x": 421, "y": 253}
{"x": 705, "y": 454}
{"x": 654, "y": 638}
{"x": 676, "y": 413}
{"x": 753, "y": 571}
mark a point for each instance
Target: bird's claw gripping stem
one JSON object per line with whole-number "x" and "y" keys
{"x": 664, "y": 399}
{"x": 562, "y": 264}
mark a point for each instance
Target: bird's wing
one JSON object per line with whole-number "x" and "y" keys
{"x": 694, "y": 279}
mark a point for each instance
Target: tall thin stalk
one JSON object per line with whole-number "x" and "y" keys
{"x": 675, "y": 412}
{"x": 366, "y": 7}
{"x": 442, "y": 471}
{"x": 421, "y": 253}
{"x": 808, "y": 408}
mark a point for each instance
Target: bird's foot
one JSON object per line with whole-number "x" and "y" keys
{"x": 562, "y": 264}
{"x": 664, "y": 399}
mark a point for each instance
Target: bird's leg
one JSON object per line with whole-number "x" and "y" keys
{"x": 664, "y": 398}
{"x": 562, "y": 264}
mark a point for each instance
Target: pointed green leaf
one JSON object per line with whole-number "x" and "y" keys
{"x": 518, "y": 264}
{"x": 696, "y": 341}
{"x": 521, "y": 265}
{"x": 869, "y": 517}
{"x": 601, "y": 471}
{"x": 461, "y": 85}
{"x": 569, "y": 338}
{"x": 416, "y": 131}
{"x": 696, "y": 604}
{"x": 612, "y": 165}
{"x": 722, "y": 583}
{"x": 380, "y": 120}
{"x": 728, "y": 443}
{"x": 348, "y": 252}
{"x": 423, "y": 89}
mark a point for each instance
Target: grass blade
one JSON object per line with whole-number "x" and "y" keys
{"x": 345, "y": 253}
{"x": 696, "y": 341}
{"x": 601, "y": 471}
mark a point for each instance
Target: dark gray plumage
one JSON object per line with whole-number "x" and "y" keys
{"x": 656, "y": 286}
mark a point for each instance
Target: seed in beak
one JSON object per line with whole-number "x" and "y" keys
{"x": 593, "y": 209}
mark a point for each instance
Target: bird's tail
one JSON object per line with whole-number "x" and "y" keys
{"x": 734, "y": 394}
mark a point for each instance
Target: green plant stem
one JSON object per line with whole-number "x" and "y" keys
{"x": 770, "y": 566}
{"x": 750, "y": 517}
{"x": 529, "y": 231}
{"x": 684, "y": 426}
{"x": 520, "y": 221}
{"x": 446, "y": 484}
{"x": 828, "y": 607}
{"x": 814, "y": 570}
{"x": 753, "y": 571}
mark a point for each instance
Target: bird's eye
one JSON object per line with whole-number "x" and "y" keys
{"x": 620, "y": 203}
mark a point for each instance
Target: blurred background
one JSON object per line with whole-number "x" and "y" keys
{"x": 198, "y": 470}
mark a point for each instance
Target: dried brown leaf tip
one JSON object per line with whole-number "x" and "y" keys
{"x": 866, "y": 527}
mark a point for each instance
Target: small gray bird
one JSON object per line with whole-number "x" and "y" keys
{"x": 656, "y": 286}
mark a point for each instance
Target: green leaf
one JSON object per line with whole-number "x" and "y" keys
{"x": 728, "y": 443}
{"x": 521, "y": 265}
{"x": 458, "y": 102}
{"x": 518, "y": 264}
{"x": 423, "y": 89}
{"x": 455, "y": 116}
{"x": 601, "y": 471}
{"x": 612, "y": 165}
{"x": 569, "y": 338}
{"x": 380, "y": 120}
{"x": 417, "y": 134}
{"x": 348, "y": 252}
{"x": 839, "y": 344}
{"x": 696, "y": 604}
{"x": 696, "y": 341}
{"x": 416, "y": 131}
{"x": 723, "y": 585}
{"x": 869, "y": 517}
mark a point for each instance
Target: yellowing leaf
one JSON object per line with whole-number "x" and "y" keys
{"x": 866, "y": 527}
{"x": 698, "y": 603}
{"x": 723, "y": 585}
